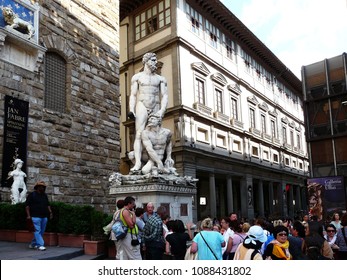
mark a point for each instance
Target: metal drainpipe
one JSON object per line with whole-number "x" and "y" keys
{"x": 126, "y": 111}
{"x": 330, "y": 114}
{"x": 307, "y": 129}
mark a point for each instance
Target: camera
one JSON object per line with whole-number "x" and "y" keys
{"x": 135, "y": 242}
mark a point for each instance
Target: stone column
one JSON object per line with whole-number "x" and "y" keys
{"x": 304, "y": 199}
{"x": 230, "y": 198}
{"x": 261, "y": 198}
{"x": 290, "y": 195}
{"x": 247, "y": 196}
{"x": 213, "y": 206}
{"x": 271, "y": 198}
{"x": 243, "y": 194}
{"x": 278, "y": 198}
{"x": 282, "y": 198}
{"x": 298, "y": 204}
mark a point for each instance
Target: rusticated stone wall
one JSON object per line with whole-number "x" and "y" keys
{"x": 74, "y": 152}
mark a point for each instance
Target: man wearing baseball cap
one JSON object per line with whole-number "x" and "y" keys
{"x": 38, "y": 210}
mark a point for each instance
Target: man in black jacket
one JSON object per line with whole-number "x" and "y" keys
{"x": 38, "y": 210}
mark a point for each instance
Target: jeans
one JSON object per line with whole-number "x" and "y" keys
{"x": 40, "y": 227}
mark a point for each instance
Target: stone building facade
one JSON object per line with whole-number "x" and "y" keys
{"x": 72, "y": 142}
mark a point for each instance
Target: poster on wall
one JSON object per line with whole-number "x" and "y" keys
{"x": 326, "y": 195}
{"x": 15, "y": 136}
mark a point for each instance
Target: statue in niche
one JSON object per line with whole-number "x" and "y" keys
{"x": 176, "y": 206}
{"x": 12, "y": 20}
{"x": 250, "y": 195}
{"x": 148, "y": 96}
{"x": 18, "y": 188}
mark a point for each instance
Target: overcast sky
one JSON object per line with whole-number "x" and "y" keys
{"x": 298, "y": 32}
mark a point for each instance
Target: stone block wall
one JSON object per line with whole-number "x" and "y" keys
{"x": 74, "y": 152}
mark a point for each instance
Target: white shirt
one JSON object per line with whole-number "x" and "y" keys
{"x": 336, "y": 224}
{"x": 228, "y": 233}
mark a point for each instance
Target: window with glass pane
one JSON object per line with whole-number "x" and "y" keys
{"x": 252, "y": 117}
{"x": 229, "y": 47}
{"x": 298, "y": 141}
{"x": 263, "y": 123}
{"x": 234, "y": 111}
{"x": 257, "y": 67}
{"x": 273, "y": 129}
{"x": 213, "y": 34}
{"x": 55, "y": 82}
{"x": 284, "y": 134}
{"x": 291, "y": 138}
{"x": 200, "y": 90}
{"x": 219, "y": 100}
{"x": 268, "y": 76}
{"x": 151, "y": 20}
{"x": 195, "y": 19}
{"x": 247, "y": 58}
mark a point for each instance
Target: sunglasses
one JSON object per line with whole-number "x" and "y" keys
{"x": 282, "y": 234}
{"x": 330, "y": 230}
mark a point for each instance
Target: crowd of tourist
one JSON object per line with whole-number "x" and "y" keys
{"x": 152, "y": 235}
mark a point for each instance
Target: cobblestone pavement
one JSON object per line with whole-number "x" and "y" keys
{"x": 21, "y": 251}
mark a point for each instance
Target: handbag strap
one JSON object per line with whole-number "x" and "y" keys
{"x": 208, "y": 246}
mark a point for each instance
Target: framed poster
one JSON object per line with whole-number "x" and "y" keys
{"x": 15, "y": 136}
{"x": 326, "y": 195}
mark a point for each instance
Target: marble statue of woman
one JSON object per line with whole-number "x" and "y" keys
{"x": 18, "y": 176}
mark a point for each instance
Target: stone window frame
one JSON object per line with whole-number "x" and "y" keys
{"x": 200, "y": 95}
{"x": 60, "y": 45}
{"x": 219, "y": 99}
{"x": 235, "y": 102}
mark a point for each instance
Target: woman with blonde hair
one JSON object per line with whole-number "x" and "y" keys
{"x": 208, "y": 243}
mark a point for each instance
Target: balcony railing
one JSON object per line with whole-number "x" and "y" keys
{"x": 221, "y": 116}
{"x": 236, "y": 123}
{"x": 254, "y": 131}
{"x": 203, "y": 108}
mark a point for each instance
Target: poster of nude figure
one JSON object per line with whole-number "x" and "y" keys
{"x": 325, "y": 196}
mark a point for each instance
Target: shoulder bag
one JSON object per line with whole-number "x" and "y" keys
{"x": 190, "y": 256}
{"x": 119, "y": 229}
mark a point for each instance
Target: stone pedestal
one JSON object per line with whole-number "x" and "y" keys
{"x": 175, "y": 193}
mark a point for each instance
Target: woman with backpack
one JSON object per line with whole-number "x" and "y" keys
{"x": 316, "y": 247}
{"x": 249, "y": 249}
